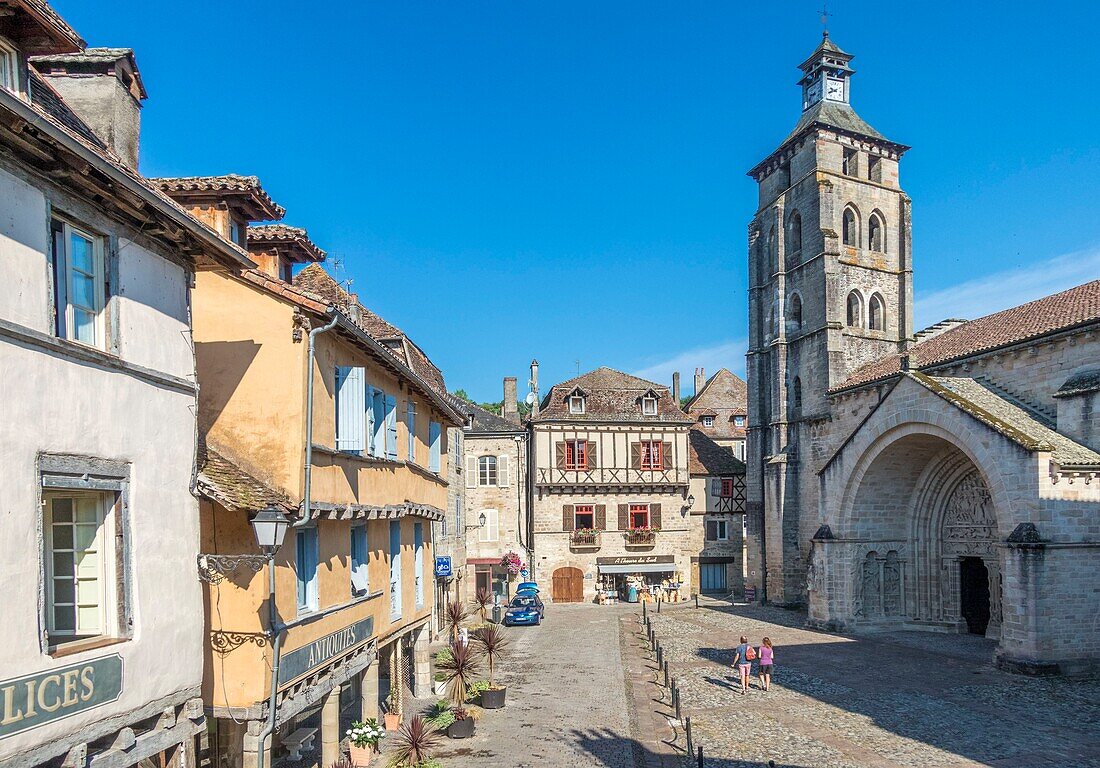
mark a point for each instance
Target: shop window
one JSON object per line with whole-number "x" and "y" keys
{"x": 81, "y": 571}
{"x": 487, "y": 470}
{"x": 584, "y": 516}
{"x": 639, "y": 515}
{"x": 717, "y": 529}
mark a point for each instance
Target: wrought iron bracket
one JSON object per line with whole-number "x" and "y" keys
{"x": 224, "y": 642}
{"x": 214, "y": 568}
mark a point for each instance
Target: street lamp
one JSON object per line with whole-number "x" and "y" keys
{"x": 481, "y": 519}
{"x": 270, "y": 525}
{"x": 690, "y": 504}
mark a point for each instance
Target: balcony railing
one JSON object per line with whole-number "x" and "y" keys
{"x": 612, "y": 476}
{"x": 585, "y": 538}
{"x": 640, "y": 537}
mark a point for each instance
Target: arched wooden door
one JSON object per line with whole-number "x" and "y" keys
{"x": 568, "y": 585}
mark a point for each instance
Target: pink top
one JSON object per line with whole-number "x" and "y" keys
{"x": 765, "y": 655}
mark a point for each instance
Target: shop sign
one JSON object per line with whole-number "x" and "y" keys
{"x": 33, "y": 700}
{"x": 636, "y": 560}
{"x": 750, "y": 593}
{"x": 443, "y": 566}
{"x": 298, "y": 662}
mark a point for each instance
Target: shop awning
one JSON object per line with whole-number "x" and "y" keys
{"x": 638, "y": 568}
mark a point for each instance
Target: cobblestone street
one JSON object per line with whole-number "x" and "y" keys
{"x": 900, "y": 698}
{"x": 566, "y": 702}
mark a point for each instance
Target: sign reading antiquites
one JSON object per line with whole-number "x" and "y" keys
{"x": 298, "y": 662}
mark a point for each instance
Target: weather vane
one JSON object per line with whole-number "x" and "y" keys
{"x": 825, "y": 19}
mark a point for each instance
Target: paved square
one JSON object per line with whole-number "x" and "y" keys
{"x": 899, "y": 698}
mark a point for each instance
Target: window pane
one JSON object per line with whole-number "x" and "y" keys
{"x": 64, "y": 618}
{"x": 62, "y": 536}
{"x": 62, "y": 510}
{"x": 82, "y": 291}
{"x": 63, "y": 564}
{"x": 81, "y": 253}
{"x": 87, "y": 592}
{"x": 63, "y": 590}
{"x": 83, "y": 537}
{"x": 84, "y": 326}
{"x": 87, "y": 510}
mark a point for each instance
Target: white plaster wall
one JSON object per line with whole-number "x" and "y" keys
{"x": 154, "y": 327}
{"x": 24, "y": 228}
{"x": 54, "y": 405}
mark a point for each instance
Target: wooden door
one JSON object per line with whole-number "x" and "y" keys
{"x": 568, "y": 585}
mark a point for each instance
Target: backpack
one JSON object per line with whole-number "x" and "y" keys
{"x": 750, "y": 653}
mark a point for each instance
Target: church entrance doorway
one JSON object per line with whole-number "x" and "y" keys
{"x": 974, "y": 594}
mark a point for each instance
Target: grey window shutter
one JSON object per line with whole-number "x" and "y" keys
{"x": 502, "y": 471}
{"x": 391, "y": 427}
{"x": 666, "y": 455}
{"x": 624, "y": 516}
{"x": 715, "y": 486}
{"x": 654, "y": 515}
{"x": 350, "y": 432}
{"x": 590, "y": 454}
{"x": 471, "y": 471}
{"x": 567, "y": 517}
{"x": 636, "y": 456}
{"x": 559, "y": 451}
{"x": 601, "y": 517}
{"x": 435, "y": 454}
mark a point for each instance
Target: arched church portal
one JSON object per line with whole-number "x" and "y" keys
{"x": 924, "y": 534}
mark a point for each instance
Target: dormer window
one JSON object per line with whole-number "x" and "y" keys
{"x": 576, "y": 404}
{"x": 9, "y": 67}
{"x": 708, "y": 421}
{"x": 649, "y": 406}
{"x": 738, "y": 421}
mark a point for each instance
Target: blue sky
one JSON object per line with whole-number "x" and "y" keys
{"x": 566, "y": 180}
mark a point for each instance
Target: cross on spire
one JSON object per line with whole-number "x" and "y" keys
{"x": 825, "y": 20}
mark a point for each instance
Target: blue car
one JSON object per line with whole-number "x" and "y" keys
{"x": 527, "y": 586}
{"x": 525, "y": 610}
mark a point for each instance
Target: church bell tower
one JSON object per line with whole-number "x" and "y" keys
{"x": 830, "y": 289}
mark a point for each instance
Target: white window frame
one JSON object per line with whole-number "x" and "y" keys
{"x": 738, "y": 421}
{"x": 64, "y": 259}
{"x": 720, "y": 524}
{"x": 106, "y": 575}
{"x": 649, "y": 406}
{"x": 488, "y": 472}
{"x": 708, "y": 421}
{"x": 490, "y": 532}
{"x": 9, "y": 74}
{"x": 576, "y": 404}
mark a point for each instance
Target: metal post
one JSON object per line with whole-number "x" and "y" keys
{"x": 645, "y": 615}
{"x": 660, "y": 655}
{"x": 665, "y": 665}
{"x": 676, "y": 701}
{"x": 700, "y": 756}
{"x": 658, "y": 605}
{"x": 696, "y": 599}
{"x": 687, "y": 734}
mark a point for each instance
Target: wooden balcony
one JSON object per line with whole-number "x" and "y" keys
{"x": 585, "y": 538}
{"x": 640, "y": 537}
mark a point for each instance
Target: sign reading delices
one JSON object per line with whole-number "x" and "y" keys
{"x": 298, "y": 662}
{"x": 33, "y": 700}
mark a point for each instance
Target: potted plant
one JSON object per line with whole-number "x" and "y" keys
{"x": 414, "y": 744}
{"x": 492, "y": 643}
{"x": 439, "y": 679}
{"x": 483, "y": 600}
{"x": 392, "y": 716}
{"x": 454, "y": 617}
{"x": 460, "y": 669}
{"x": 363, "y": 741}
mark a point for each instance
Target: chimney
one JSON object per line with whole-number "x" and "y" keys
{"x": 511, "y": 409}
{"x": 676, "y": 387}
{"x": 535, "y": 386}
{"x": 699, "y": 380}
{"x": 103, "y": 87}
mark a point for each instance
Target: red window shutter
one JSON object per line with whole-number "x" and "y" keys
{"x": 590, "y": 454}
{"x": 655, "y": 516}
{"x": 601, "y": 517}
{"x": 624, "y": 516}
{"x": 666, "y": 455}
{"x": 567, "y": 517}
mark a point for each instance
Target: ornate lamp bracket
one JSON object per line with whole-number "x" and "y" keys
{"x": 214, "y": 568}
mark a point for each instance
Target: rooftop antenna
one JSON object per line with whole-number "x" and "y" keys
{"x": 825, "y": 20}
{"x": 337, "y": 266}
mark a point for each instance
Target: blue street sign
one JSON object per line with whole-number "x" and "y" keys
{"x": 443, "y": 566}
{"x": 523, "y": 573}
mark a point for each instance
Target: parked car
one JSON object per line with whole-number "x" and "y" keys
{"x": 526, "y": 609}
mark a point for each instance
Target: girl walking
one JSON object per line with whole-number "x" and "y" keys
{"x": 743, "y": 657}
{"x": 767, "y": 654}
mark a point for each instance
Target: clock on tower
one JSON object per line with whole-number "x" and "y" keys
{"x": 825, "y": 75}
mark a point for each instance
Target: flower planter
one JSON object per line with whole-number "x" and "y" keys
{"x": 493, "y": 698}
{"x": 461, "y": 729}
{"x": 360, "y": 756}
{"x": 439, "y": 687}
{"x": 393, "y": 721}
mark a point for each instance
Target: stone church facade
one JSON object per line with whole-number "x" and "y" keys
{"x": 943, "y": 480}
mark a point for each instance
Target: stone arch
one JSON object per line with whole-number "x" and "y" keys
{"x": 794, "y": 235}
{"x": 849, "y": 226}
{"x": 876, "y": 312}
{"x": 876, "y": 231}
{"x": 794, "y": 310}
{"x": 854, "y": 309}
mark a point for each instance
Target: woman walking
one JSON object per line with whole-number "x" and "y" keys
{"x": 767, "y": 655}
{"x": 743, "y": 656}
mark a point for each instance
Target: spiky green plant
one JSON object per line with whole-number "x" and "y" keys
{"x": 413, "y": 744}
{"x": 461, "y": 670}
{"x": 455, "y": 616}
{"x": 492, "y": 643}
{"x": 483, "y": 600}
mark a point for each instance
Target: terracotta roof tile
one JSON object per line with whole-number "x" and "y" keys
{"x": 1061, "y": 311}
{"x": 706, "y": 457}
{"x": 184, "y": 187}
{"x": 63, "y": 35}
{"x": 610, "y": 395}
{"x": 261, "y": 235}
{"x": 221, "y": 480}
{"x": 724, "y": 396}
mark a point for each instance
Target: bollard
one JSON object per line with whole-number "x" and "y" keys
{"x": 687, "y": 734}
{"x": 666, "y": 673}
{"x": 645, "y": 616}
{"x": 696, "y": 599}
{"x": 700, "y": 756}
{"x": 660, "y": 655}
{"x": 676, "y": 701}
{"x": 658, "y": 605}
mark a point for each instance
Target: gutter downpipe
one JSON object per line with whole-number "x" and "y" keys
{"x": 277, "y": 628}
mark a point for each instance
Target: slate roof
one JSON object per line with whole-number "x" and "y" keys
{"x": 1080, "y": 383}
{"x": 221, "y": 480}
{"x": 706, "y": 457}
{"x": 486, "y": 422}
{"x": 1051, "y": 314}
{"x": 234, "y": 184}
{"x": 611, "y": 396}
{"x": 281, "y": 234}
{"x": 834, "y": 114}
{"x": 1028, "y": 429}
{"x": 46, "y": 96}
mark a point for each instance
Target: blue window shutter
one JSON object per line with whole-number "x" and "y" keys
{"x": 391, "y": 427}
{"x": 359, "y": 561}
{"x": 410, "y": 422}
{"x": 350, "y": 434}
{"x": 307, "y": 561}
{"x": 368, "y": 406}
{"x": 395, "y": 569}
{"x": 418, "y": 563}
{"x": 378, "y": 444}
{"x": 434, "y": 457}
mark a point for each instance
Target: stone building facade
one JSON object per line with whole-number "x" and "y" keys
{"x": 717, "y": 516}
{"x": 610, "y": 485}
{"x": 942, "y": 479}
{"x": 720, "y": 409}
